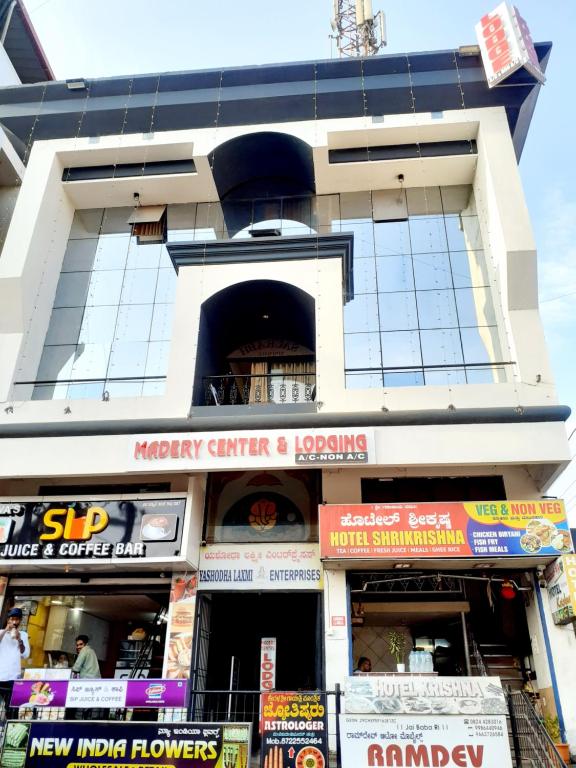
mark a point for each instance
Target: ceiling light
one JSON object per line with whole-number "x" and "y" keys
{"x": 400, "y": 566}
{"x": 76, "y": 84}
{"x": 483, "y": 565}
{"x": 469, "y": 50}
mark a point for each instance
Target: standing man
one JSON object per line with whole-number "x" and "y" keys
{"x": 86, "y": 664}
{"x": 14, "y": 646}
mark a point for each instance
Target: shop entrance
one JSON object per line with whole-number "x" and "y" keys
{"x": 462, "y": 623}
{"x": 126, "y": 628}
{"x": 230, "y": 639}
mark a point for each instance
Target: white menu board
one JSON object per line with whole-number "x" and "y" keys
{"x": 451, "y": 742}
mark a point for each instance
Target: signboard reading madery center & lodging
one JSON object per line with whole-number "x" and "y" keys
{"x": 444, "y": 529}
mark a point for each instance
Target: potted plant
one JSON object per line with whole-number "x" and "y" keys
{"x": 396, "y": 646}
{"x": 552, "y": 726}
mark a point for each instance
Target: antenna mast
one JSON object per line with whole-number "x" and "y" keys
{"x": 356, "y": 30}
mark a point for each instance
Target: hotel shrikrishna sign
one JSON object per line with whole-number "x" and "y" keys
{"x": 444, "y": 529}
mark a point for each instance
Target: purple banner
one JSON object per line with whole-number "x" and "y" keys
{"x": 156, "y": 693}
{"x": 138, "y": 693}
{"x": 39, "y": 693}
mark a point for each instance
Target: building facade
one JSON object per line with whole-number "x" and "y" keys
{"x": 273, "y": 367}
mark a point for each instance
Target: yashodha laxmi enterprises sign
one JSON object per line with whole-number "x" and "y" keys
{"x": 270, "y": 448}
{"x": 444, "y": 529}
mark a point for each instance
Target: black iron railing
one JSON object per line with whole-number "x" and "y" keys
{"x": 533, "y": 746}
{"x": 260, "y": 390}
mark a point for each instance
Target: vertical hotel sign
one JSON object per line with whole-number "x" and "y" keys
{"x": 561, "y": 582}
{"x": 506, "y": 45}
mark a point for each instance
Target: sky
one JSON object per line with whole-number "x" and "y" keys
{"x": 83, "y": 38}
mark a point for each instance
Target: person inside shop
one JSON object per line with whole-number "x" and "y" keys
{"x": 86, "y": 664}
{"x": 364, "y": 666}
{"x": 62, "y": 662}
{"x": 14, "y": 646}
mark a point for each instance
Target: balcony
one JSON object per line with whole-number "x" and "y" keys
{"x": 251, "y": 389}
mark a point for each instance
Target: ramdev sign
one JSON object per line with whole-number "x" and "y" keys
{"x": 450, "y": 529}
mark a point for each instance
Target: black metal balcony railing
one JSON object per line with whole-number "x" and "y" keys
{"x": 256, "y": 389}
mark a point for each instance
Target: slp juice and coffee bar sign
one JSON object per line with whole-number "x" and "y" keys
{"x": 444, "y": 529}
{"x": 36, "y": 530}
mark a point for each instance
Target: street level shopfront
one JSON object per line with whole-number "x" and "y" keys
{"x": 449, "y": 588}
{"x": 96, "y": 567}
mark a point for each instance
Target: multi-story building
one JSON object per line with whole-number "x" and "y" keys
{"x": 238, "y": 304}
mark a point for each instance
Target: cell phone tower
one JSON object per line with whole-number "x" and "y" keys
{"x": 357, "y": 31}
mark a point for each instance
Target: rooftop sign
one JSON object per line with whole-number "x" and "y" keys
{"x": 506, "y": 45}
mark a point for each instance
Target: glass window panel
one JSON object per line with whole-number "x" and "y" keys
{"x": 325, "y": 211}
{"x": 456, "y": 198}
{"x": 363, "y": 237}
{"x": 166, "y": 286}
{"x": 455, "y": 234}
{"x": 134, "y": 322}
{"x": 90, "y": 361}
{"x": 472, "y": 233}
{"x": 210, "y": 219}
{"x": 437, "y": 309}
{"x": 85, "y": 390}
{"x": 363, "y": 381}
{"x": 80, "y": 255}
{"x": 181, "y": 221}
{"x": 361, "y": 314}
{"x": 355, "y": 206}
{"x": 460, "y": 261}
{"x": 157, "y": 361}
{"x": 165, "y": 260}
{"x": 153, "y": 388}
{"x": 403, "y": 379}
{"x": 432, "y": 271}
{"x": 86, "y": 223}
{"x": 162, "y": 322}
{"x": 50, "y": 392}
{"x": 392, "y": 238}
{"x": 128, "y": 358}
{"x": 475, "y": 306}
{"x": 124, "y": 389}
{"x": 239, "y": 216}
{"x": 400, "y": 348}
{"x": 64, "y": 326}
{"x": 362, "y": 350}
{"x": 143, "y": 256}
{"x": 398, "y": 311}
{"x": 441, "y": 347}
{"x": 115, "y": 221}
{"x": 481, "y": 345}
{"x": 139, "y": 286}
{"x": 364, "y": 276}
{"x": 428, "y": 235}
{"x": 423, "y": 201}
{"x": 298, "y": 209}
{"x": 395, "y": 273}
{"x": 486, "y": 375}
{"x": 112, "y": 252}
{"x": 98, "y": 325}
{"x": 72, "y": 289}
{"x": 446, "y": 377}
{"x": 56, "y": 363}
{"x": 105, "y": 287}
